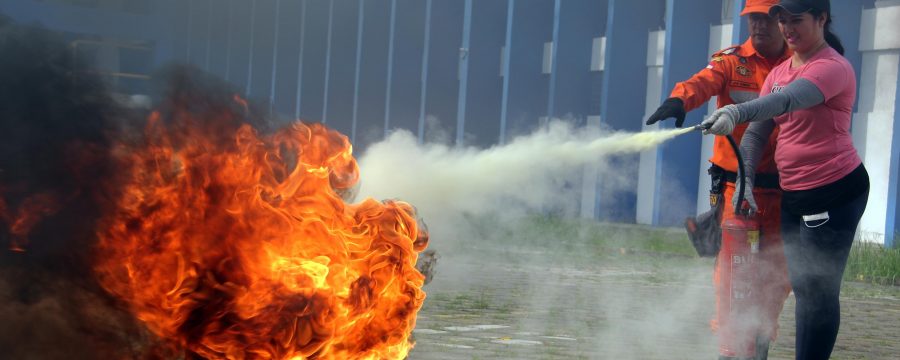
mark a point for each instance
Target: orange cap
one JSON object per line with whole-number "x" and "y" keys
{"x": 758, "y": 6}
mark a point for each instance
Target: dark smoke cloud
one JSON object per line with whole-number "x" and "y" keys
{"x": 56, "y": 122}
{"x": 60, "y": 130}
{"x": 188, "y": 96}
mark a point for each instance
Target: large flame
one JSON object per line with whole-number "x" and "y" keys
{"x": 241, "y": 247}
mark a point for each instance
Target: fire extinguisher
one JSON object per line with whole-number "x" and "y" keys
{"x": 740, "y": 238}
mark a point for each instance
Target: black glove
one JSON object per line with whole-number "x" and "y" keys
{"x": 671, "y": 108}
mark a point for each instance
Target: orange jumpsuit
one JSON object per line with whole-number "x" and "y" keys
{"x": 735, "y": 75}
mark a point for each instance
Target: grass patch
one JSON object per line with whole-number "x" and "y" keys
{"x": 641, "y": 239}
{"x": 873, "y": 263}
{"x": 581, "y": 241}
{"x": 582, "y": 238}
{"x": 475, "y": 301}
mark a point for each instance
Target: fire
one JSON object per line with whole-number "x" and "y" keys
{"x": 32, "y": 210}
{"x": 230, "y": 244}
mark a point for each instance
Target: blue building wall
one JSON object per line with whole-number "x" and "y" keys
{"x": 532, "y": 27}
{"x": 687, "y": 21}
{"x": 406, "y": 82}
{"x": 624, "y": 91}
{"x": 372, "y": 72}
{"x": 577, "y": 23}
{"x": 240, "y": 33}
{"x": 217, "y": 36}
{"x": 442, "y": 88}
{"x": 342, "y": 65}
{"x": 315, "y": 44}
{"x": 482, "y": 96}
{"x": 847, "y": 18}
{"x": 471, "y": 68}
{"x": 893, "y": 195}
{"x": 290, "y": 14}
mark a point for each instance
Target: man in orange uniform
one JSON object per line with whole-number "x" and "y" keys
{"x": 745, "y": 324}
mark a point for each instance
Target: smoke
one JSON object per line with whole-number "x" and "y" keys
{"x": 568, "y": 289}
{"x": 54, "y": 317}
{"x": 60, "y": 130}
{"x": 538, "y": 172}
{"x": 55, "y": 123}
{"x": 494, "y": 216}
{"x": 60, "y": 124}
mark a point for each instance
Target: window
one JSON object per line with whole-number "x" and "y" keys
{"x": 124, "y": 65}
{"x": 132, "y": 6}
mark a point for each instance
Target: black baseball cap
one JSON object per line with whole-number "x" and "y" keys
{"x": 800, "y": 6}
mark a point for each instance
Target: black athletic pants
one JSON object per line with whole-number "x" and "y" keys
{"x": 816, "y": 253}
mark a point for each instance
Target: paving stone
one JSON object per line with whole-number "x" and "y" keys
{"x": 503, "y": 308}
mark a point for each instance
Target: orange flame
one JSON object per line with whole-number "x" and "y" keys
{"x": 243, "y": 248}
{"x": 32, "y": 210}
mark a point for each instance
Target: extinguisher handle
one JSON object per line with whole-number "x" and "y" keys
{"x": 745, "y": 208}
{"x": 739, "y": 210}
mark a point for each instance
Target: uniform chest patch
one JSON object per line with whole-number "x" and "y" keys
{"x": 743, "y": 70}
{"x": 743, "y": 84}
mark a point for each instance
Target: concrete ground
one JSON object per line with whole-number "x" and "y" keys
{"x": 575, "y": 301}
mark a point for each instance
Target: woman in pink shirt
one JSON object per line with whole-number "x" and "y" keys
{"x": 810, "y": 98}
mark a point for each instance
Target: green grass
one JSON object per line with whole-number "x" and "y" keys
{"x": 873, "y": 263}
{"x": 587, "y": 241}
{"x": 584, "y": 238}
{"x": 478, "y": 301}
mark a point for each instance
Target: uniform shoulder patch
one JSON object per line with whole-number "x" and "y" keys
{"x": 726, "y": 51}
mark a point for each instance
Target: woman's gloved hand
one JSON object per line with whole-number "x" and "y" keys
{"x": 748, "y": 194}
{"x": 722, "y": 121}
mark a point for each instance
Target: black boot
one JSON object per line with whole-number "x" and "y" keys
{"x": 762, "y": 351}
{"x": 762, "y": 348}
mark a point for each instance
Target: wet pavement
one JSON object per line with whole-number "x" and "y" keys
{"x": 486, "y": 303}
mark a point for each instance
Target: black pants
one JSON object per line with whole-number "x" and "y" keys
{"x": 816, "y": 257}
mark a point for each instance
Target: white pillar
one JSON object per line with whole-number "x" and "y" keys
{"x": 873, "y": 123}
{"x": 589, "y": 180}
{"x": 591, "y": 171}
{"x": 656, "y": 49}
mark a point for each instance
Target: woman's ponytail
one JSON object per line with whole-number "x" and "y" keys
{"x": 830, "y": 37}
{"x": 833, "y": 39}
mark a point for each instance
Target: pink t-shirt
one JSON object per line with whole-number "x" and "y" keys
{"x": 814, "y": 145}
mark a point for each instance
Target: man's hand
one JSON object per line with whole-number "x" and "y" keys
{"x": 722, "y": 121}
{"x": 671, "y": 108}
{"x": 748, "y": 195}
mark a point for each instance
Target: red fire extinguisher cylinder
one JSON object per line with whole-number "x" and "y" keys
{"x": 740, "y": 239}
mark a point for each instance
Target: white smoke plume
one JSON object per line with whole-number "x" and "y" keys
{"x": 540, "y": 281}
{"x": 530, "y": 172}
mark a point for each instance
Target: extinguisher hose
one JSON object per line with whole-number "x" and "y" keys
{"x": 740, "y": 173}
